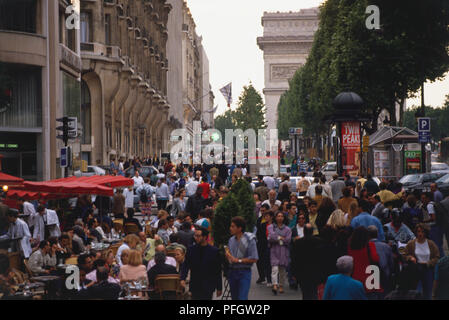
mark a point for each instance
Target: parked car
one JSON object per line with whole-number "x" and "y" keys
{"x": 91, "y": 171}
{"x": 439, "y": 166}
{"x": 443, "y": 184}
{"x": 144, "y": 171}
{"x": 285, "y": 169}
{"x": 329, "y": 169}
{"x": 420, "y": 181}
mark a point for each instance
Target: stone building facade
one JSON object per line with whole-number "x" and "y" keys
{"x": 189, "y": 91}
{"x": 124, "y": 78}
{"x": 40, "y": 68}
{"x": 286, "y": 43}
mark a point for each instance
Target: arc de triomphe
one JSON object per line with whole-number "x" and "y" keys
{"x": 286, "y": 43}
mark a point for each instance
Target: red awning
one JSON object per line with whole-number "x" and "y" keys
{"x": 68, "y": 188}
{"x": 10, "y": 181}
{"x": 107, "y": 181}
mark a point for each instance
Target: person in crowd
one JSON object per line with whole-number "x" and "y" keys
{"x": 371, "y": 185}
{"x": 196, "y": 203}
{"x": 406, "y": 286}
{"x": 180, "y": 255}
{"x": 364, "y": 254}
{"x": 386, "y": 261}
{"x": 311, "y": 191}
{"x": 138, "y": 180}
{"x": 291, "y": 216}
{"x": 169, "y": 260}
{"x": 279, "y": 237}
{"x": 65, "y": 251}
{"x": 103, "y": 289}
{"x": 130, "y": 242}
{"x": 43, "y": 259}
{"x": 160, "y": 267}
{"x": 19, "y": 232}
{"x": 203, "y": 262}
{"x": 130, "y": 219}
{"x": 241, "y": 254}
{"x": 325, "y": 209}
{"x": 135, "y": 269}
{"x": 284, "y": 193}
{"x": 441, "y": 279}
{"x": 263, "y": 263}
{"x": 398, "y": 231}
{"x": 313, "y": 214}
{"x": 92, "y": 225}
{"x": 387, "y": 197}
{"x": 258, "y": 204}
{"x": 318, "y": 195}
{"x": 345, "y": 202}
{"x": 179, "y": 202}
{"x": 423, "y": 254}
{"x": 129, "y": 199}
{"x": 162, "y": 231}
{"x": 365, "y": 219}
{"x": 205, "y": 187}
{"x": 186, "y": 235}
{"x": 92, "y": 276}
{"x": 261, "y": 189}
{"x": 303, "y": 184}
{"x": 341, "y": 286}
{"x": 271, "y": 201}
{"x": 430, "y": 214}
{"x": 377, "y": 205}
{"x": 353, "y": 212}
{"x": 327, "y": 190}
{"x": 118, "y": 204}
{"x": 298, "y": 229}
{"x": 305, "y": 262}
{"x": 412, "y": 212}
{"x": 437, "y": 195}
{"x": 337, "y": 187}
{"x": 205, "y": 220}
{"x": 162, "y": 194}
{"x": 78, "y": 242}
{"x": 336, "y": 220}
{"x": 85, "y": 262}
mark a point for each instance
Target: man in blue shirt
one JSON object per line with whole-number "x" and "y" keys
{"x": 241, "y": 254}
{"x": 366, "y": 220}
{"x": 341, "y": 286}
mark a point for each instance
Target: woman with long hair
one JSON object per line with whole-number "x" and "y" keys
{"x": 365, "y": 254}
{"x": 325, "y": 209}
{"x": 352, "y": 213}
{"x": 279, "y": 236}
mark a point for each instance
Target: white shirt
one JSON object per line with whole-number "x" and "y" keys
{"x": 39, "y": 227}
{"x": 311, "y": 191}
{"x": 124, "y": 246}
{"x": 277, "y": 203}
{"x": 191, "y": 188}
{"x": 138, "y": 181}
{"x": 269, "y": 182}
{"x": 169, "y": 260}
{"x": 20, "y": 230}
{"x": 300, "y": 231}
{"x": 129, "y": 198}
{"x": 422, "y": 251}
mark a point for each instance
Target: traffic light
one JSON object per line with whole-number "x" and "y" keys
{"x": 69, "y": 128}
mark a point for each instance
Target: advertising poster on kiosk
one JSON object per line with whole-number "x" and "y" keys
{"x": 381, "y": 163}
{"x": 412, "y": 162}
{"x": 350, "y": 147}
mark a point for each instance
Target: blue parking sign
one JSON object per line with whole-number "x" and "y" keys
{"x": 423, "y": 124}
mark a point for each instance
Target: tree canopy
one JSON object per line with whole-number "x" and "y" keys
{"x": 385, "y": 67}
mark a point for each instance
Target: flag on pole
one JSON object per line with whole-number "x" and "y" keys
{"x": 227, "y": 93}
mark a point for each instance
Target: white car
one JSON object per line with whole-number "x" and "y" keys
{"x": 439, "y": 166}
{"x": 91, "y": 171}
{"x": 329, "y": 170}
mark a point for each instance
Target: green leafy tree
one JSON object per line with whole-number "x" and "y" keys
{"x": 250, "y": 113}
{"x": 239, "y": 202}
{"x": 225, "y": 121}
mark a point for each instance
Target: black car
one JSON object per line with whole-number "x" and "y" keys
{"x": 419, "y": 181}
{"x": 443, "y": 185}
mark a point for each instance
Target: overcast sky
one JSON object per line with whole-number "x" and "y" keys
{"x": 230, "y": 29}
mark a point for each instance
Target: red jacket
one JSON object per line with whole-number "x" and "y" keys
{"x": 206, "y": 189}
{"x": 362, "y": 261}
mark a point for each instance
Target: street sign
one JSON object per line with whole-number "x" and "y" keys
{"x": 64, "y": 157}
{"x": 365, "y": 142}
{"x": 423, "y": 124}
{"x": 424, "y": 137}
{"x": 295, "y": 131}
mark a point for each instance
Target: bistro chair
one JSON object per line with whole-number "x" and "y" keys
{"x": 168, "y": 283}
{"x": 118, "y": 225}
{"x": 71, "y": 260}
{"x": 130, "y": 228}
